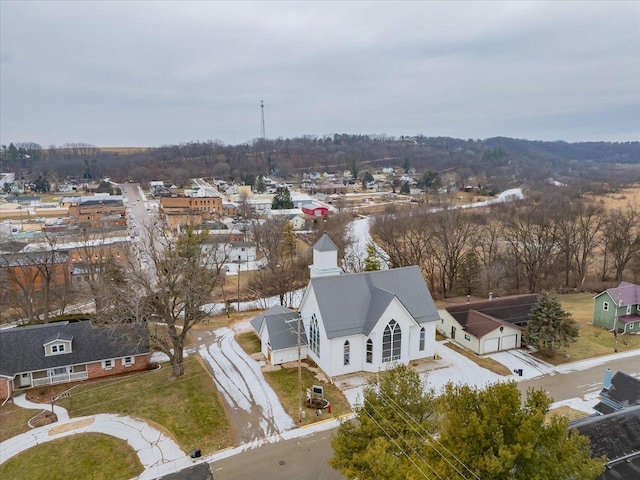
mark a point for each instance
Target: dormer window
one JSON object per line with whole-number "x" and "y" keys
{"x": 58, "y": 344}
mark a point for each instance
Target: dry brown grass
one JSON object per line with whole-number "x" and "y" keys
{"x": 564, "y": 411}
{"x": 123, "y": 150}
{"x": 620, "y": 199}
{"x": 484, "y": 362}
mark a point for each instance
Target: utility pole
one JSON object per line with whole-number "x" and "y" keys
{"x": 239, "y": 267}
{"x": 298, "y": 320}
{"x": 615, "y": 326}
{"x": 299, "y": 375}
{"x": 262, "y": 131}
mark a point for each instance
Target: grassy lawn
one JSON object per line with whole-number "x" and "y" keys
{"x": 594, "y": 341}
{"x": 485, "y": 362}
{"x": 285, "y": 383}
{"x": 93, "y": 456}
{"x": 188, "y": 408}
{"x": 249, "y": 342}
{"x": 13, "y": 420}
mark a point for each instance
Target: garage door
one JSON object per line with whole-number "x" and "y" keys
{"x": 509, "y": 342}
{"x": 491, "y": 345}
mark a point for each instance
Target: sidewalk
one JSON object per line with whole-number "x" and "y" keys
{"x": 158, "y": 453}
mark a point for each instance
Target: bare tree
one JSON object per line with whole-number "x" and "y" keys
{"x": 168, "y": 296}
{"x": 589, "y": 221}
{"x": 489, "y": 244}
{"x": 285, "y": 269}
{"x": 40, "y": 280}
{"x": 622, "y": 237}
{"x": 531, "y": 237}
{"x": 451, "y": 240}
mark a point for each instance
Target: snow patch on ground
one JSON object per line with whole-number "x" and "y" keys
{"x": 239, "y": 379}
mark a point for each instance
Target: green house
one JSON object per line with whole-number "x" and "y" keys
{"x": 618, "y": 306}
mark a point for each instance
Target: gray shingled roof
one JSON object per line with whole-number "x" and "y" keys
{"x": 22, "y": 350}
{"x": 615, "y": 435}
{"x": 325, "y": 244}
{"x": 624, "y": 391}
{"x": 353, "y": 303}
{"x": 281, "y": 334}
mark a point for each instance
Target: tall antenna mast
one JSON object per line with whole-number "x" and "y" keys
{"x": 262, "y": 132}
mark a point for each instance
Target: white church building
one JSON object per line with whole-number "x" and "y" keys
{"x": 359, "y": 321}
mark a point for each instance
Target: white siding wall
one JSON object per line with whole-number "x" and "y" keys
{"x": 507, "y": 330}
{"x": 331, "y": 359}
{"x": 287, "y": 355}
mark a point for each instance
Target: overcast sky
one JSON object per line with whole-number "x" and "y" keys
{"x": 152, "y": 73}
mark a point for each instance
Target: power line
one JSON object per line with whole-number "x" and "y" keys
{"x": 407, "y": 418}
{"x": 401, "y": 449}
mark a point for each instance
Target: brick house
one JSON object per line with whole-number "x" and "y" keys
{"x": 62, "y": 352}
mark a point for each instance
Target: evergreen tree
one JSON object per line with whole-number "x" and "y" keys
{"x": 406, "y": 165}
{"x": 371, "y": 261}
{"x": 489, "y": 432}
{"x": 468, "y": 277}
{"x": 405, "y": 189}
{"x": 394, "y": 417}
{"x": 282, "y": 199}
{"x": 367, "y": 177}
{"x": 260, "y": 186}
{"x": 549, "y": 326}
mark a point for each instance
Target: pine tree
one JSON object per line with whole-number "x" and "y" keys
{"x": 549, "y": 326}
{"x": 282, "y": 199}
{"x": 371, "y": 261}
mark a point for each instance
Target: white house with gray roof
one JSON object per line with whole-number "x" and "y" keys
{"x": 365, "y": 321}
{"x": 277, "y": 328}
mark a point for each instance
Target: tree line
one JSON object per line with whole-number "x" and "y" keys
{"x": 547, "y": 242}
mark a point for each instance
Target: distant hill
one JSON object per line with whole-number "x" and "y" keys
{"x": 500, "y": 162}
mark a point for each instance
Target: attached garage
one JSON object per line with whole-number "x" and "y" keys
{"x": 509, "y": 342}
{"x": 491, "y": 345}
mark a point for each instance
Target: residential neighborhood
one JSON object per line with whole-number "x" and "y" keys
{"x": 344, "y": 325}
{"x": 319, "y": 241}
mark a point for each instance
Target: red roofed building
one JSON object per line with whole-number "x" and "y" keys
{"x": 313, "y": 210}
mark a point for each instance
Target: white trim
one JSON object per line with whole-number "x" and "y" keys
{"x": 112, "y": 363}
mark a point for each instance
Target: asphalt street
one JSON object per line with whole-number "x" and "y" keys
{"x": 306, "y": 458}
{"x": 296, "y": 459}
{"x": 563, "y": 386}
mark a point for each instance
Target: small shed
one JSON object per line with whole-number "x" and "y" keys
{"x": 277, "y": 328}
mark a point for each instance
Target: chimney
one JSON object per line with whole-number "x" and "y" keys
{"x": 608, "y": 374}
{"x": 490, "y": 296}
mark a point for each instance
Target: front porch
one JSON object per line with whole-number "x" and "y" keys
{"x": 62, "y": 378}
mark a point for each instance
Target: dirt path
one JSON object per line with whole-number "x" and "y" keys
{"x": 254, "y": 409}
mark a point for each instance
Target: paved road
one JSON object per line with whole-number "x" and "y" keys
{"x": 306, "y": 458}
{"x": 297, "y": 459}
{"x": 563, "y": 386}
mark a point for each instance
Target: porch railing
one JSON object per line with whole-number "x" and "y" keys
{"x": 65, "y": 377}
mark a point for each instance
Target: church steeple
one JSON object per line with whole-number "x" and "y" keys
{"x": 325, "y": 258}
